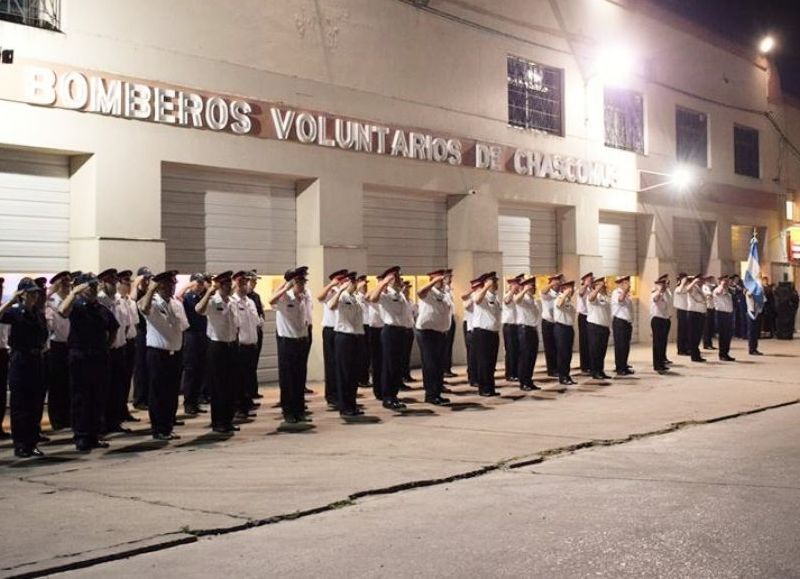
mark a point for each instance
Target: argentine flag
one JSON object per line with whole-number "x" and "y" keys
{"x": 752, "y": 278}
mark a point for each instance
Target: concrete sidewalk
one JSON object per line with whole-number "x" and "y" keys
{"x": 69, "y": 509}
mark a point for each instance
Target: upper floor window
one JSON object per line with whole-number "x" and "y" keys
{"x": 624, "y": 120}
{"x": 38, "y": 13}
{"x": 691, "y": 131}
{"x": 535, "y": 96}
{"x": 745, "y": 151}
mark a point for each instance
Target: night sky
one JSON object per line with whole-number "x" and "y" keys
{"x": 747, "y": 21}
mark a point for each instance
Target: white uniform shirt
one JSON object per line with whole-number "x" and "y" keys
{"x": 374, "y": 319}
{"x": 599, "y": 311}
{"x": 349, "y": 317}
{"x": 565, "y": 313}
{"x": 486, "y": 315}
{"x": 583, "y": 300}
{"x": 364, "y": 303}
{"x": 394, "y": 308}
{"x": 5, "y": 330}
{"x": 448, "y": 292}
{"x": 121, "y": 314}
{"x": 679, "y": 300}
{"x": 328, "y": 315}
{"x": 708, "y": 293}
{"x": 133, "y": 313}
{"x": 621, "y": 309}
{"x": 166, "y": 323}
{"x": 248, "y": 319}
{"x": 509, "y": 312}
{"x": 696, "y": 301}
{"x": 222, "y": 319}
{"x": 548, "y": 305}
{"x": 529, "y": 311}
{"x": 469, "y": 308}
{"x": 56, "y": 323}
{"x": 434, "y": 311}
{"x": 723, "y": 301}
{"x": 660, "y": 304}
{"x": 291, "y": 315}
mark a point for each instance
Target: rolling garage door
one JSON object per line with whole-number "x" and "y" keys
{"x": 405, "y": 229}
{"x": 528, "y": 239}
{"x": 618, "y": 253}
{"x": 692, "y": 245}
{"x": 34, "y": 221}
{"x": 214, "y": 220}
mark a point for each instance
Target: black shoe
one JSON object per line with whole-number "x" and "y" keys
{"x": 553, "y": 374}
{"x": 727, "y": 359}
{"x": 351, "y": 413}
{"x": 178, "y": 423}
{"x": 333, "y": 406}
{"x": 99, "y": 444}
{"x": 4, "y": 435}
{"x": 83, "y": 446}
{"x": 662, "y": 371}
{"x": 304, "y": 418}
{"x": 119, "y": 429}
{"x": 450, "y": 374}
{"x": 625, "y": 372}
{"x": 527, "y": 388}
{"x": 36, "y": 452}
{"x": 191, "y": 410}
{"x": 684, "y": 353}
{"x": 405, "y": 388}
{"x": 568, "y": 381}
{"x": 140, "y": 406}
{"x": 486, "y": 394}
{"x": 306, "y": 390}
{"x": 438, "y": 401}
{"x": 20, "y": 452}
{"x": 668, "y": 362}
{"x": 222, "y": 429}
{"x": 605, "y": 376}
{"x": 698, "y": 359}
{"x": 258, "y": 395}
{"x": 130, "y": 418}
{"x": 409, "y": 379}
{"x": 290, "y": 419}
{"x": 394, "y": 405}
{"x": 43, "y": 438}
{"x": 756, "y": 353}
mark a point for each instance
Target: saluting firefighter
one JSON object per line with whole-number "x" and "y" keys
{"x": 486, "y": 315}
{"x": 549, "y": 295}
{"x": 141, "y": 379}
{"x": 26, "y": 373}
{"x": 433, "y": 324}
{"x": 598, "y": 326}
{"x": 681, "y": 304}
{"x": 124, "y": 294}
{"x": 329, "y": 336}
{"x": 248, "y": 322}
{"x": 57, "y": 356}
{"x": 251, "y": 281}
{"x": 529, "y": 318}
{"x": 696, "y": 315}
{"x": 302, "y": 271}
{"x": 166, "y": 323}
{"x": 660, "y": 314}
{"x": 564, "y": 330}
{"x": 92, "y": 330}
{"x": 222, "y": 331}
{"x": 394, "y": 311}
{"x": 349, "y": 326}
{"x": 723, "y": 305}
{"x": 451, "y": 331}
{"x": 107, "y": 295}
{"x": 469, "y": 310}
{"x": 374, "y": 327}
{"x": 710, "y": 325}
{"x": 291, "y": 320}
{"x": 622, "y": 324}
{"x": 409, "y": 319}
{"x": 508, "y": 317}
{"x": 363, "y": 361}
{"x": 195, "y": 345}
{"x": 587, "y": 282}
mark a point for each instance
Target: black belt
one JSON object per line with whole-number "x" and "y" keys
{"x": 301, "y": 339}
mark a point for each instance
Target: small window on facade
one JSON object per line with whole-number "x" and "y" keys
{"x": 37, "y": 13}
{"x": 535, "y": 96}
{"x": 745, "y": 151}
{"x": 691, "y": 137}
{"x": 624, "y": 120}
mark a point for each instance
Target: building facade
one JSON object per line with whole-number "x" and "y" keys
{"x": 482, "y": 135}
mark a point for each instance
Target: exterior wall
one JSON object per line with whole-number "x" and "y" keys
{"x": 389, "y": 62}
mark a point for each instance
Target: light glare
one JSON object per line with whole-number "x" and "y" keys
{"x": 615, "y": 64}
{"x": 682, "y": 178}
{"x": 766, "y": 45}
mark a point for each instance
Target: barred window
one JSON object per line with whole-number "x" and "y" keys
{"x": 624, "y": 120}
{"x": 37, "y": 13}
{"x": 535, "y": 96}
{"x": 745, "y": 151}
{"x": 691, "y": 131}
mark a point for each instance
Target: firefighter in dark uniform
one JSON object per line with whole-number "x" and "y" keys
{"x": 92, "y": 330}
{"x": 26, "y": 374}
{"x": 195, "y": 345}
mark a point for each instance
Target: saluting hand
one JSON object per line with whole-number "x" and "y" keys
{"x": 80, "y": 288}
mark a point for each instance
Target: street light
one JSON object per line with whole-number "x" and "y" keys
{"x": 766, "y": 45}
{"x": 681, "y": 178}
{"x": 615, "y": 64}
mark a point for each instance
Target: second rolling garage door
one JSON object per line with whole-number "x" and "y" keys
{"x": 618, "y": 252}
{"x": 214, "y": 220}
{"x": 528, "y": 239}
{"x": 692, "y": 243}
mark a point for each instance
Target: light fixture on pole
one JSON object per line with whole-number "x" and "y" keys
{"x": 681, "y": 178}
{"x": 766, "y": 45}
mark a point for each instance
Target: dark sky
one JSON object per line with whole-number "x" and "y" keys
{"x": 747, "y": 21}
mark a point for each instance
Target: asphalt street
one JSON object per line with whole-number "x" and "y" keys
{"x": 710, "y": 500}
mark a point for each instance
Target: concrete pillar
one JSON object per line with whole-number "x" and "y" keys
{"x": 655, "y": 257}
{"x": 115, "y": 212}
{"x": 329, "y": 237}
{"x": 579, "y": 239}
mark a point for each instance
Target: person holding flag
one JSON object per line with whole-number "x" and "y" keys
{"x": 754, "y": 294}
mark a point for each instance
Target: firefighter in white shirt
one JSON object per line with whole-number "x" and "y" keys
{"x": 680, "y": 302}
{"x": 451, "y": 332}
{"x": 217, "y": 305}
{"x": 622, "y": 324}
{"x": 469, "y": 308}
{"x": 291, "y": 320}
{"x": 394, "y": 312}
{"x": 660, "y": 313}
{"x": 124, "y": 294}
{"x": 564, "y": 330}
{"x": 723, "y": 305}
{"x": 529, "y": 318}
{"x": 249, "y": 323}
{"x": 113, "y": 412}
{"x": 433, "y": 323}
{"x": 166, "y": 322}
{"x": 374, "y": 327}
{"x": 508, "y": 318}
{"x": 486, "y": 332}
{"x": 328, "y": 336}
{"x": 549, "y": 295}
{"x": 57, "y": 356}
{"x": 598, "y": 325}
{"x": 710, "y": 325}
{"x": 349, "y": 326}
{"x": 585, "y": 288}
{"x": 696, "y": 315}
